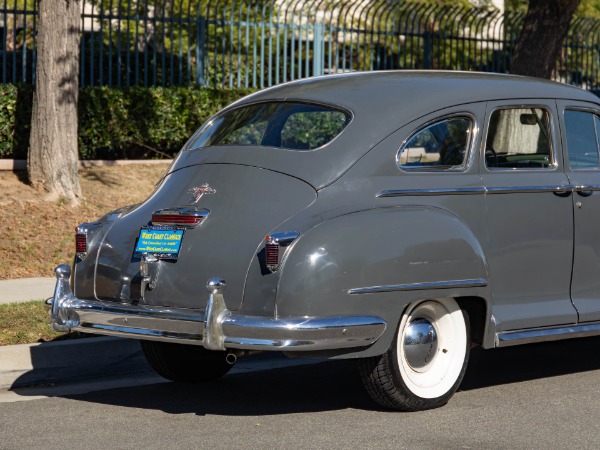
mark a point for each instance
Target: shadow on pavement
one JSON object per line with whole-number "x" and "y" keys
{"x": 336, "y": 385}
{"x": 309, "y": 388}
{"x": 532, "y": 361}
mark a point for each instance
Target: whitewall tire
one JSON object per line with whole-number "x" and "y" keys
{"x": 426, "y": 361}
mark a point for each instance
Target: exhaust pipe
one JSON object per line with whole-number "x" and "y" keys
{"x": 231, "y": 358}
{"x": 233, "y": 355}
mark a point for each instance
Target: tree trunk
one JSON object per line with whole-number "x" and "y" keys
{"x": 544, "y": 30}
{"x": 53, "y": 146}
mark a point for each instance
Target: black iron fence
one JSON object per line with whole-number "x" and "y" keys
{"x": 250, "y": 43}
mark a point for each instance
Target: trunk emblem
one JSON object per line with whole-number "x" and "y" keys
{"x": 198, "y": 192}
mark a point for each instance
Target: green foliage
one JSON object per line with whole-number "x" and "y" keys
{"x": 587, "y": 8}
{"x": 15, "y": 120}
{"x": 113, "y": 123}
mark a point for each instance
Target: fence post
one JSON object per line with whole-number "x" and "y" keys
{"x": 427, "y": 50}
{"x": 318, "y": 53}
{"x": 200, "y": 43}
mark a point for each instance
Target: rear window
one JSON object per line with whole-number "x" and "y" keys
{"x": 289, "y": 125}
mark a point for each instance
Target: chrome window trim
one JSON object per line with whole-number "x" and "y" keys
{"x": 590, "y": 110}
{"x": 476, "y": 282}
{"x": 432, "y": 169}
{"x": 551, "y": 167}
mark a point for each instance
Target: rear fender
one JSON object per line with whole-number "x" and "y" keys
{"x": 376, "y": 262}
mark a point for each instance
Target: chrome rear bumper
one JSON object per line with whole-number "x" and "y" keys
{"x": 215, "y": 329}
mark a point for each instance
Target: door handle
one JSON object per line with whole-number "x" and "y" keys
{"x": 562, "y": 192}
{"x": 584, "y": 193}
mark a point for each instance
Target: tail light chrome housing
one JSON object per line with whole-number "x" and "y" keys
{"x": 187, "y": 217}
{"x": 83, "y": 233}
{"x": 276, "y": 245}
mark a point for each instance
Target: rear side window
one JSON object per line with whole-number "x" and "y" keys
{"x": 519, "y": 138}
{"x": 581, "y": 128}
{"x": 442, "y": 145}
{"x": 289, "y": 125}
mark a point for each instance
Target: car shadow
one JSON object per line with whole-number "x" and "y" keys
{"x": 531, "y": 361}
{"x": 336, "y": 385}
{"x": 326, "y": 386}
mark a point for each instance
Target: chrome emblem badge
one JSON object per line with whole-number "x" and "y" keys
{"x": 198, "y": 192}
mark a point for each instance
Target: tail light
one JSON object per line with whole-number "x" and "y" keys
{"x": 82, "y": 233}
{"x": 189, "y": 217}
{"x": 275, "y": 246}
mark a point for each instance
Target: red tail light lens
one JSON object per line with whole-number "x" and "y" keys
{"x": 275, "y": 247}
{"x": 84, "y": 232}
{"x": 174, "y": 219}
{"x": 187, "y": 217}
{"x": 80, "y": 243}
{"x": 272, "y": 255}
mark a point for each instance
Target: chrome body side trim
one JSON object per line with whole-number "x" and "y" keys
{"x": 481, "y": 190}
{"x": 476, "y": 190}
{"x": 590, "y": 187}
{"x": 518, "y": 337}
{"x": 215, "y": 329}
{"x": 477, "y": 282}
{"x": 528, "y": 189}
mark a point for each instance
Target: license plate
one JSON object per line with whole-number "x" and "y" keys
{"x": 161, "y": 242}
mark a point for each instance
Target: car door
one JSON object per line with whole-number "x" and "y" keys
{"x": 529, "y": 216}
{"x": 580, "y": 126}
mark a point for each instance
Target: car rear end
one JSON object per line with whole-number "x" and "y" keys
{"x": 177, "y": 268}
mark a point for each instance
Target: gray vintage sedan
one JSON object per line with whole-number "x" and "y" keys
{"x": 394, "y": 217}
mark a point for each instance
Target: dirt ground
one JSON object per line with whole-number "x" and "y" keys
{"x": 36, "y": 235}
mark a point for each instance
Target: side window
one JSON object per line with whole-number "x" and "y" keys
{"x": 442, "y": 145}
{"x": 518, "y": 138}
{"x": 581, "y": 128}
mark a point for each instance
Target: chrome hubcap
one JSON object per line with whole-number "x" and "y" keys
{"x": 420, "y": 343}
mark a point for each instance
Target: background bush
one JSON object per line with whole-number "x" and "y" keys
{"x": 133, "y": 123}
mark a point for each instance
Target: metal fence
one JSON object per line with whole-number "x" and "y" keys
{"x": 249, "y": 43}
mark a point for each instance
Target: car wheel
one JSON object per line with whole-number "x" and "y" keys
{"x": 427, "y": 360}
{"x": 186, "y": 363}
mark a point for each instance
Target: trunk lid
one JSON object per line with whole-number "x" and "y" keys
{"x": 247, "y": 204}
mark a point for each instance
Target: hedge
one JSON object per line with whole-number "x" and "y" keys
{"x": 133, "y": 123}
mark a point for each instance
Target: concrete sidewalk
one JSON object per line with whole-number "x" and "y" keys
{"x": 26, "y": 289}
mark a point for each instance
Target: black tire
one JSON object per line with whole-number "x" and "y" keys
{"x": 185, "y": 363}
{"x": 394, "y": 383}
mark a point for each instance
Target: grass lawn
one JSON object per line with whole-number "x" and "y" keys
{"x": 26, "y": 323}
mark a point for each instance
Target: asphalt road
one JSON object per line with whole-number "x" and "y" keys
{"x": 537, "y": 396}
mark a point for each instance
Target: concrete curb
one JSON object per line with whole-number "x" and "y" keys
{"x": 21, "y": 164}
{"x": 54, "y": 362}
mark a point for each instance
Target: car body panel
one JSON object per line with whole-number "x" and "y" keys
{"x": 585, "y": 284}
{"x": 530, "y": 249}
{"x": 222, "y": 244}
{"x": 375, "y": 234}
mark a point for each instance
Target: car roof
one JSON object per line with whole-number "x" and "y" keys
{"x": 381, "y": 103}
{"x": 427, "y": 90}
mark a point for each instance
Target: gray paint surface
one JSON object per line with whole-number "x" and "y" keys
{"x": 498, "y": 230}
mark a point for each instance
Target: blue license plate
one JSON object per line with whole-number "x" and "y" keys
{"x": 161, "y": 242}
